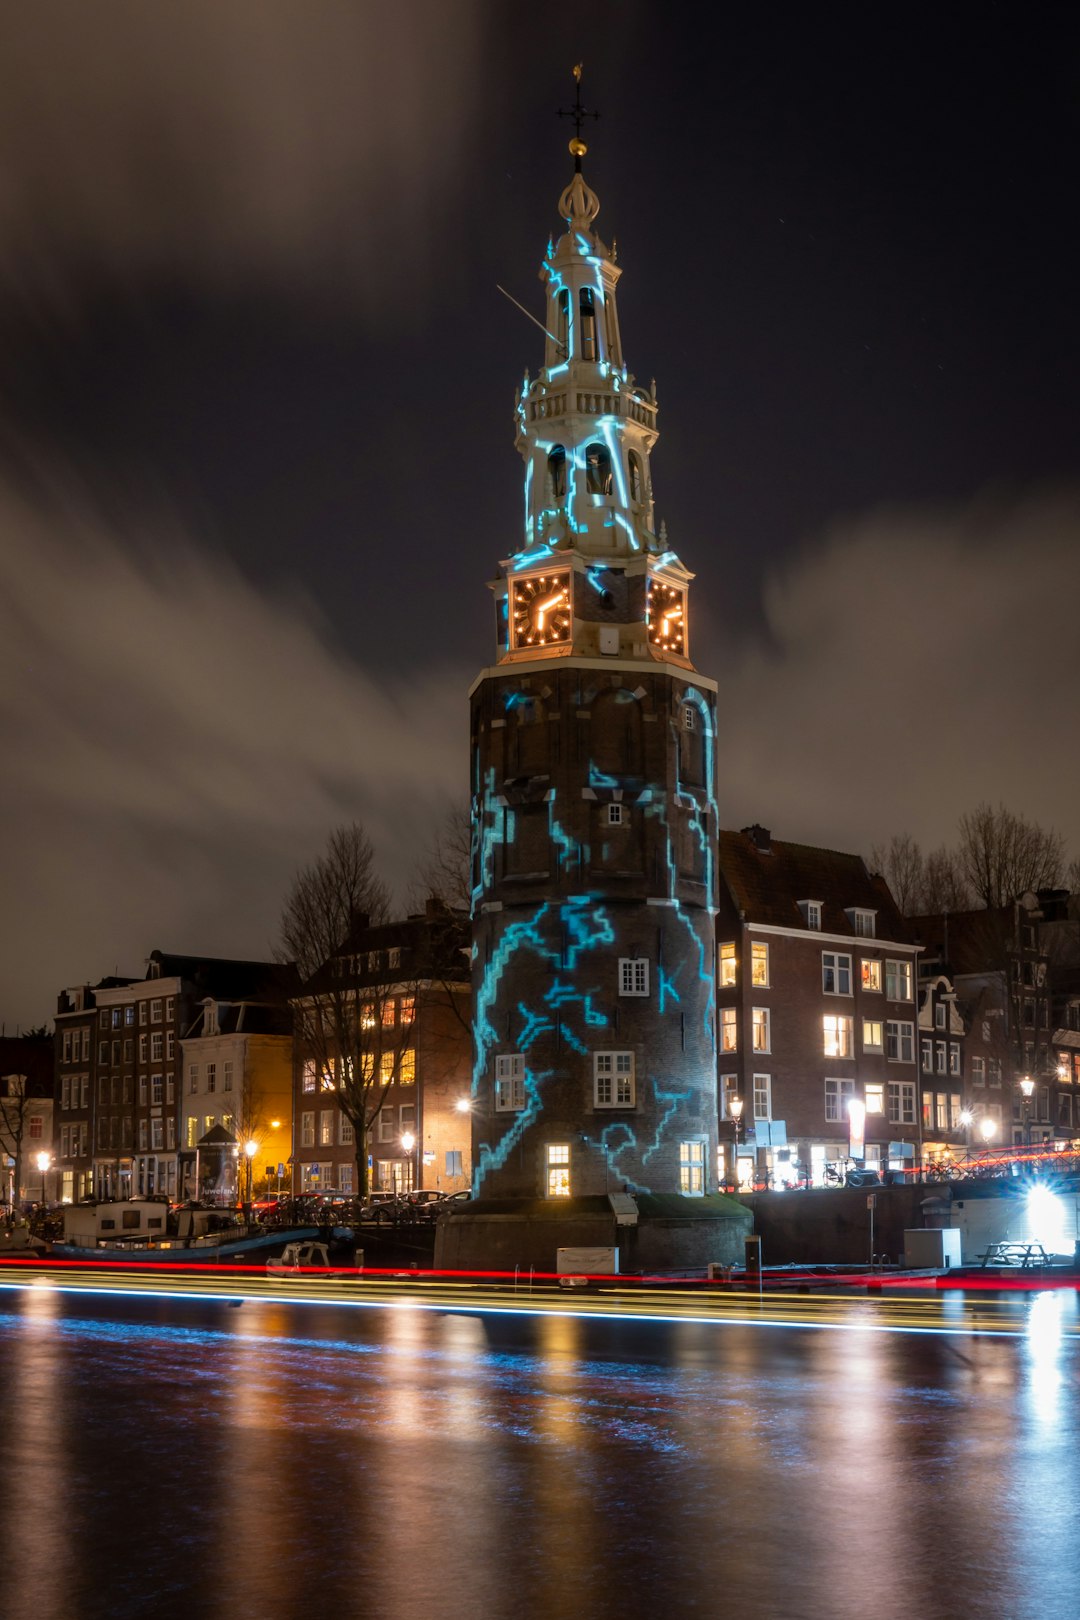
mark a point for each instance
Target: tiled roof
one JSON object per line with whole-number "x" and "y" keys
{"x": 966, "y": 941}
{"x": 766, "y": 885}
{"x": 227, "y": 979}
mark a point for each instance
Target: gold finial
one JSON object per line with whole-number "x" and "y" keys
{"x": 578, "y": 66}
{"x": 578, "y": 114}
{"x": 578, "y": 148}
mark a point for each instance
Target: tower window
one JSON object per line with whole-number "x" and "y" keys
{"x": 633, "y": 976}
{"x": 557, "y": 472}
{"x": 563, "y": 327}
{"x": 635, "y": 477}
{"x": 598, "y": 469}
{"x": 615, "y": 815}
{"x": 587, "y": 308}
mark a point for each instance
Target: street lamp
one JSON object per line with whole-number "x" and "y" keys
{"x": 251, "y": 1147}
{"x": 735, "y": 1108}
{"x": 464, "y": 1105}
{"x": 408, "y": 1142}
{"x": 1027, "y": 1087}
{"x": 43, "y": 1162}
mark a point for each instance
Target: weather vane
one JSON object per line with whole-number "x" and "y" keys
{"x": 579, "y": 114}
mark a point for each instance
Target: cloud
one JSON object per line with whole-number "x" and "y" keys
{"x": 196, "y": 138}
{"x": 176, "y": 742}
{"x": 917, "y": 662}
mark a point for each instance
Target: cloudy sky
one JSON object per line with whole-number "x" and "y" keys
{"x": 256, "y": 452}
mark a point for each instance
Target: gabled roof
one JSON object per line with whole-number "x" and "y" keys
{"x": 767, "y": 878}
{"x": 436, "y": 946}
{"x": 246, "y": 1018}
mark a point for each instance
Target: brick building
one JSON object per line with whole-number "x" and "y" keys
{"x": 817, "y": 977}
{"x": 77, "y": 1052}
{"x": 398, "y": 993}
{"x": 26, "y": 1118}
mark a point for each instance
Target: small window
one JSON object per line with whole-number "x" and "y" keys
{"x": 873, "y": 1035}
{"x": 556, "y": 462}
{"x": 453, "y": 1162}
{"x": 633, "y": 976}
{"x": 939, "y": 1015}
{"x": 729, "y": 1032}
{"x": 587, "y": 311}
{"x": 509, "y": 1082}
{"x": 864, "y": 922}
{"x": 636, "y": 482}
{"x": 759, "y": 966}
{"x": 978, "y": 1071}
{"x": 871, "y": 974}
{"x": 689, "y": 717}
{"x": 613, "y": 1079}
{"x": 926, "y": 1048}
{"x": 692, "y": 1169}
{"x": 898, "y": 981}
{"x": 838, "y": 1093}
{"x": 954, "y": 1057}
{"x": 811, "y": 910}
{"x": 763, "y": 1096}
{"x": 728, "y": 966}
{"x": 211, "y": 1077}
{"x": 761, "y": 1029}
{"x": 310, "y": 1075}
{"x": 837, "y": 1032}
{"x": 875, "y": 1099}
{"x": 598, "y": 469}
{"x": 615, "y": 815}
{"x": 307, "y": 1130}
{"x": 155, "y": 1012}
{"x": 835, "y": 974}
{"x": 558, "y": 1170}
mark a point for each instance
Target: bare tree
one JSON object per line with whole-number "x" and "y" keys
{"x": 944, "y": 887}
{"x": 901, "y": 864}
{"x": 355, "y": 1017}
{"x": 444, "y": 872}
{"x": 1002, "y": 856}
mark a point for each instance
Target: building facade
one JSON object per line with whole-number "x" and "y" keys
{"x": 817, "y": 981}
{"x": 382, "y": 1050}
{"x": 237, "y": 1067}
{"x": 593, "y": 791}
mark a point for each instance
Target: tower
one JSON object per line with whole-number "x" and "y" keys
{"x": 593, "y": 790}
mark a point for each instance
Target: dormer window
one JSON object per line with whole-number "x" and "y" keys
{"x": 811, "y": 910}
{"x": 864, "y": 922}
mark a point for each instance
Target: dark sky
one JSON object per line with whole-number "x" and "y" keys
{"x": 256, "y": 450}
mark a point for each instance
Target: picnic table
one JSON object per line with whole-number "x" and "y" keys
{"x": 1024, "y": 1256}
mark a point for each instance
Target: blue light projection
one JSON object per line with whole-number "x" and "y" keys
{"x": 571, "y": 941}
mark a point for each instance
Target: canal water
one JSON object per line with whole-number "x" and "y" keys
{"x": 174, "y": 1457}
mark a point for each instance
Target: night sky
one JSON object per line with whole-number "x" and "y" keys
{"x": 256, "y": 448}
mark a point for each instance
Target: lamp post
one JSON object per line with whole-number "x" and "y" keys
{"x": 408, "y": 1142}
{"x": 735, "y": 1108}
{"x": 43, "y": 1161}
{"x": 1027, "y": 1087}
{"x": 251, "y": 1147}
{"x": 987, "y": 1126}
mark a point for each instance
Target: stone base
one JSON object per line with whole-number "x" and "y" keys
{"x": 673, "y": 1233}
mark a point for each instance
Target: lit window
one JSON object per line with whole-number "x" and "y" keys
{"x": 613, "y": 1079}
{"x": 509, "y": 1082}
{"x": 762, "y": 1096}
{"x": 759, "y": 966}
{"x": 326, "y": 1128}
{"x": 729, "y": 1034}
{"x": 310, "y": 1075}
{"x": 407, "y": 1067}
{"x": 727, "y": 966}
{"x": 875, "y": 1099}
{"x": 386, "y": 1069}
{"x": 837, "y": 1094}
{"x": 873, "y": 1035}
{"x": 558, "y": 1170}
{"x": 835, "y": 974}
{"x": 761, "y": 1029}
{"x": 692, "y": 1169}
{"x": 871, "y": 974}
{"x": 633, "y": 976}
{"x": 900, "y": 1042}
{"x": 898, "y": 980}
{"x": 838, "y": 1036}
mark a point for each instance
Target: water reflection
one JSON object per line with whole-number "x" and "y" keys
{"x": 472, "y": 1466}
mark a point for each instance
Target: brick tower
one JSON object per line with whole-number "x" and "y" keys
{"x": 593, "y": 791}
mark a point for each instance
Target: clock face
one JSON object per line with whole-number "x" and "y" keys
{"x": 540, "y": 609}
{"x": 667, "y": 616}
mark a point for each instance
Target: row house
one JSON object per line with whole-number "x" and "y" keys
{"x": 128, "y": 1116}
{"x": 1001, "y": 964}
{"x": 26, "y": 1110}
{"x": 237, "y": 1078}
{"x": 383, "y": 1049}
{"x": 817, "y": 976}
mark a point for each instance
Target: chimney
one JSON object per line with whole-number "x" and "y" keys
{"x": 760, "y": 837}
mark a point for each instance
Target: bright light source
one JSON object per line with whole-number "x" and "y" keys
{"x": 1027, "y": 1085}
{"x": 275, "y": 1124}
{"x": 43, "y": 1161}
{"x": 464, "y": 1105}
{"x": 857, "y": 1114}
{"x": 987, "y": 1127}
{"x": 966, "y": 1117}
{"x": 251, "y": 1148}
{"x": 1047, "y": 1219}
{"x": 735, "y": 1106}
{"x": 408, "y": 1141}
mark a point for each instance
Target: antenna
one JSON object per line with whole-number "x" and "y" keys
{"x": 561, "y": 347}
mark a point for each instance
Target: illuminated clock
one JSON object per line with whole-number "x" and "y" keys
{"x": 667, "y": 616}
{"x": 540, "y": 607}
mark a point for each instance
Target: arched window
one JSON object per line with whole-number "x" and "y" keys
{"x": 598, "y": 469}
{"x": 563, "y": 326}
{"x": 610, "y": 335}
{"x": 588, "y": 324}
{"x": 557, "y": 472}
{"x": 635, "y": 477}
